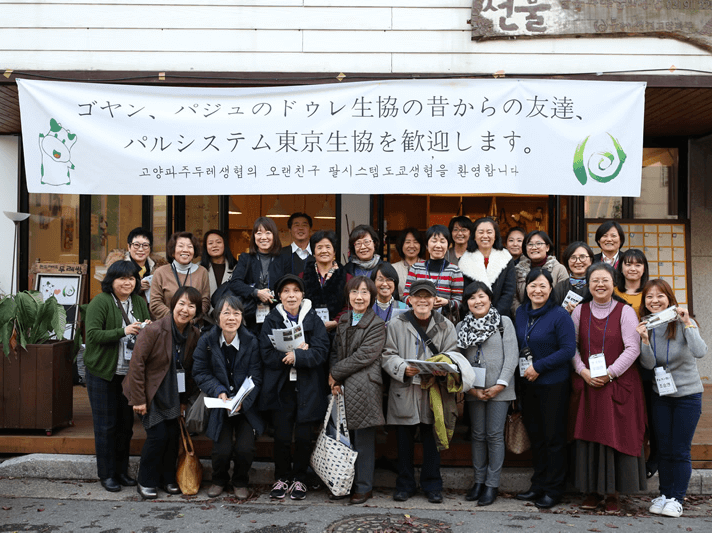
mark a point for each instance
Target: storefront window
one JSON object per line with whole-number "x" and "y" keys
{"x": 201, "y": 214}
{"x": 658, "y": 195}
{"x": 243, "y": 210}
{"x": 54, "y": 226}
{"x": 112, "y": 218}
{"x": 160, "y": 223}
{"x": 603, "y": 207}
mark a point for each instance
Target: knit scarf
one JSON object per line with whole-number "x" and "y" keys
{"x": 366, "y": 265}
{"x": 477, "y": 330}
{"x": 179, "y": 340}
{"x": 577, "y": 283}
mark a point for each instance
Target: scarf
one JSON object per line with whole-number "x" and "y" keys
{"x": 327, "y": 276}
{"x": 366, "y": 265}
{"x": 577, "y": 283}
{"x": 179, "y": 340}
{"x": 356, "y": 318}
{"x": 477, "y": 330}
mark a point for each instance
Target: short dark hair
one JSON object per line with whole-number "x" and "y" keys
{"x": 544, "y": 237}
{"x": 388, "y": 272}
{"x": 293, "y": 216}
{"x": 664, "y": 287}
{"x": 354, "y": 283}
{"x": 497, "y": 245}
{"x": 404, "y": 235}
{"x": 475, "y": 286}
{"x": 329, "y": 236}
{"x": 227, "y": 253}
{"x": 437, "y": 230}
{"x": 516, "y": 229}
{"x": 231, "y": 301}
{"x": 463, "y": 221}
{"x": 171, "y": 245}
{"x": 120, "y": 269}
{"x": 534, "y": 273}
{"x": 571, "y": 248}
{"x": 269, "y": 225}
{"x": 614, "y": 276}
{"x": 140, "y": 232}
{"x": 192, "y": 294}
{"x": 606, "y": 227}
{"x": 633, "y": 255}
{"x": 361, "y": 231}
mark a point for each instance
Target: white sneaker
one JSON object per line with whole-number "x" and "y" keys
{"x": 672, "y": 508}
{"x": 657, "y": 505}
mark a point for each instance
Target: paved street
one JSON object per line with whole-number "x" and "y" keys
{"x": 59, "y": 506}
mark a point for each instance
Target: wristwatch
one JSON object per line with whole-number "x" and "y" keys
{"x": 610, "y": 376}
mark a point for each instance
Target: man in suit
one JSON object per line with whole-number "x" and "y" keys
{"x": 299, "y": 225}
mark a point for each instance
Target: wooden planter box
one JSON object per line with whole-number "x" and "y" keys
{"x": 36, "y": 387}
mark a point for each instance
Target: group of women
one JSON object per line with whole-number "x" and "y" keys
{"x": 566, "y": 342}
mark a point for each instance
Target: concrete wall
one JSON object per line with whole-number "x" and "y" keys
{"x": 701, "y": 228}
{"x": 8, "y": 202}
{"x": 384, "y": 36}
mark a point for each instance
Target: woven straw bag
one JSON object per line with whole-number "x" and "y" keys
{"x": 332, "y": 460}
{"x": 189, "y": 473}
{"x": 515, "y": 434}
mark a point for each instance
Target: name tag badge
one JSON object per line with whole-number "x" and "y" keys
{"x": 597, "y": 365}
{"x": 262, "y": 312}
{"x": 127, "y": 353}
{"x": 479, "y": 376}
{"x": 293, "y": 374}
{"x": 323, "y": 313}
{"x": 416, "y": 379}
{"x": 524, "y": 363}
{"x": 664, "y": 380}
{"x": 181, "y": 380}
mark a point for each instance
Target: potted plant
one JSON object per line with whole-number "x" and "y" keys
{"x": 36, "y": 364}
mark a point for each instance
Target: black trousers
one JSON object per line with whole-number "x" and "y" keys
{"x": 241, "y": 451}
{"x": 159, "y": 454}
{"x": 286, "y": 466}
{"x": 113, "y": 425}
{"x": 545, "y": 411}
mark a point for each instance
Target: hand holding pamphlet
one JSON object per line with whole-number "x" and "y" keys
{"x": 234, "y": 403}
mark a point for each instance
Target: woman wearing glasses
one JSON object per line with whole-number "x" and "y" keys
{"x": 363, "y": 258}
{"x": 537, "y": 254}
{"x": 461, "y": 230}
{"x": 387, "y": 297}
{"x": 140, "y": 242}
{"x": 577, "y": 257}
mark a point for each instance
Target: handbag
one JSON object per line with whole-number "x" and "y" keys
{"x": 196, "y": 416}
{"x": 189, "y": 473}
{"x": 333, "y": 460}
{"x": 515, "y": 434}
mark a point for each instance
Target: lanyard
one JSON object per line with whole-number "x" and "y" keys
{"x": 124, "y": 315}
{"x": 479, "y": 354}
{"x": 667, "y": 355}
{"x": 528, "y": 330}
{"x": 603, "y": 344}
{"x": 175, "y": 273}
{"x": 427, "y": 273}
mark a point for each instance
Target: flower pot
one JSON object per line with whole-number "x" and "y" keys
{"x": 36, "y": 386}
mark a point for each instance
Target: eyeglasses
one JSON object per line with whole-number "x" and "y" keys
{"x": 363, "y": 244}
{"x": 579, "y": 258}
{"x": 362, "y": 292}
{"x": 231, "y": 313}
{"x": 534, "y": 245}
{"x": 140, "y": 245}
{"x": 460, "y": 230}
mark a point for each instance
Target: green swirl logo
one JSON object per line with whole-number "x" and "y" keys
{"x": 603, "y": 164}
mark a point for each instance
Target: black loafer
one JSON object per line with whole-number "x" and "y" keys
{"x": 402, "y": 495}
{"x": 126, "y": 481}
{"x": 172, "y": 488}
{"x": 530, "y": 495}
{"x": 434, "y": 496}
{"x": 147, "y": 493}
{"x": 475, "y": 492}
{"x": 546, "y": 502}
{"x": 489, "y": 495}
{"x": 110, "y": 484}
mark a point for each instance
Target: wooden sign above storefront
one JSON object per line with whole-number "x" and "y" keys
{"x": 684, "y": 20}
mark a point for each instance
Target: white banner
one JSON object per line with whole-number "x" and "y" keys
{"x": 402, "y": 136}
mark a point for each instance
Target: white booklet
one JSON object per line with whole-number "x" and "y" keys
{"x": 428, "y": 367}
{"x": 234, "y": 403}
{"x": 571, "y": 298}
{"x": 287, "y": 340}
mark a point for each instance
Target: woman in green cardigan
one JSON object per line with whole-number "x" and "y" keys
{"x": 113, "y": 319}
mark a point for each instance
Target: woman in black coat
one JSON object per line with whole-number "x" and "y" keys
{"x": 257, "y": 272}
{"x": 224, "y": 358}
{"x": 294, "y": 386}
{"x": 324, "y": 279}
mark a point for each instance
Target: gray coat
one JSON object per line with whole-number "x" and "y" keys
{"x": 355, "y": 362}
{"x": 500, "y": 355}
{"x": 408, "y": 404}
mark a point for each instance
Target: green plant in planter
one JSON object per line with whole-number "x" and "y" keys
{"x": 27, "y": 317}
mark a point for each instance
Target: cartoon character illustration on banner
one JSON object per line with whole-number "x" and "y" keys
{"x": 56, "y": 151}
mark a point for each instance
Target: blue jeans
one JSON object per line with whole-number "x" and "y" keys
{"x": 675, "y": 423}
